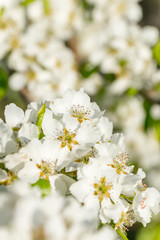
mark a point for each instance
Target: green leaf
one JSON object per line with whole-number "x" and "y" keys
{"x": 151, "y": 232}
{"x": 87, "y": 6}
{"x": 148, "y": 120}
{"x": 2, "y": 166}
{"x": 40, "y": 119}
{"x": 3, "y": 83}
{"x": 157, "y": 86}
{"x": 2, "y": 11}
{"x": 156, "y": 52}
{"x": 87, "y": 70}
{"x": 44, "y": 185}
{"x": 157, "y": 128}
{"x": 26, "y": 2}
{"x": 131, "y": 92}
{"x": 130, "y": 199}
{"x": 122, "y": 62}
{"x": 110, "y": 77}
{"x": 47, "y": 7}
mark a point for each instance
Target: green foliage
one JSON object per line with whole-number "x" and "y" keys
{"x": 157, "y": 87}
{"x": 27, "y": 2}
{"x": 157, "y": 128}
{"x": 149, "y": 121}
{"x": 156, "y": 52}
{"x": 2, "y": 166}
{"x": 87, "y": 70}
{"x": 149, "y": 233}
{"x": 122, "y": 62}
{"x": 2, "y": 11}
{"x": 44, "y": 185}
{"x": 40, "y": 119}
{"x": 86, "y": 5}
{"x": 3, "y": 83}
{"x": 46, "y": 4}
{"x": 131, "y": 92}
{"x": 110, "y": 77}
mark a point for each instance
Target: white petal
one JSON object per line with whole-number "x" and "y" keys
{"x": 13, "y": 115}
{"x": 29, "y": 173}
{"x": 17, "y": 81}
{"x": 118, "y": 139}
{"x": 58, "y": 107}
{"x": 33, "y": 150}
{"x": 61, "y": 183}
{"x": 63, "y": 158}
{"x": 51, "y": 127}
{"x": 111, "y": 211}
{"x": 80, "y": 189}
{"x": 71, "y": 123}
{"x": 88, "y": 135}
{"x": 105, "y": 127}
{"x": 81, "y": 98}
{"x": 27, "y": 133}
{"x": 50, "y": 150}
{"x": 3, "y": 175}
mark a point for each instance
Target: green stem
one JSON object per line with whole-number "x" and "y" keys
{"x": 122, "y": 235}
{"x": 127, "y": 198}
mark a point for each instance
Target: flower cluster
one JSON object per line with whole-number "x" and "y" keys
{"x": 115, "y": 43}
{"x": 30, "y": 217}
{"x": 34, "y": 46}
{"x": 68, "y": 145}
{"x": 144, "y": 143}
{"x": 69, "y": 35}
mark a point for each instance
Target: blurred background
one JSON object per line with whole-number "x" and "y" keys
{"x": 108, "y": 49}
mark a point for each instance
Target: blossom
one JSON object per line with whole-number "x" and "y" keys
{"x": 146, "y": 202}
{"x": 66, "y": 148}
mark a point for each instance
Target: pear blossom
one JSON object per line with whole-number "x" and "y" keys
{"x": 145, "y": 145}
{"x": 8, "y": 143}
{"x": 67, "y": 149}
{"x": 144, "y": 203}
{"x": 49, "y": 217}
{"x": 68, "y": 142}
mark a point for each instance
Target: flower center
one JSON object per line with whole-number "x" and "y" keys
{"x": 121, "y": 8}
{"x": 31, "y": 75}
{"x": 14, "y": 42}
{"x": 142, "y": 187}
{"x": 38, "y": 234}
{"x": 102, "y": 189}
{"x": 143, "y": 203}
{"x": 126, "y": 220}
{"x": 119, "y": 163}
{"x": 80, "y": 113}
{"x": 9, "y": 179}
{"x": 67, "y": 139}
{"x": 85, "y": 159}
{"x": 4, "y": 24}
{"x": 47, "y": 169}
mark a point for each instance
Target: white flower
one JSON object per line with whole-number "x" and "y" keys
{"x": 14, "y": 115}
{"x": 97, "y": 186}
{"x": 77, "y": 105}
{"x": 68, "y": 132}
{"x": 42, "y": 160}
{"x": 145, "y": 203}
{"x": 7, "y": 143}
